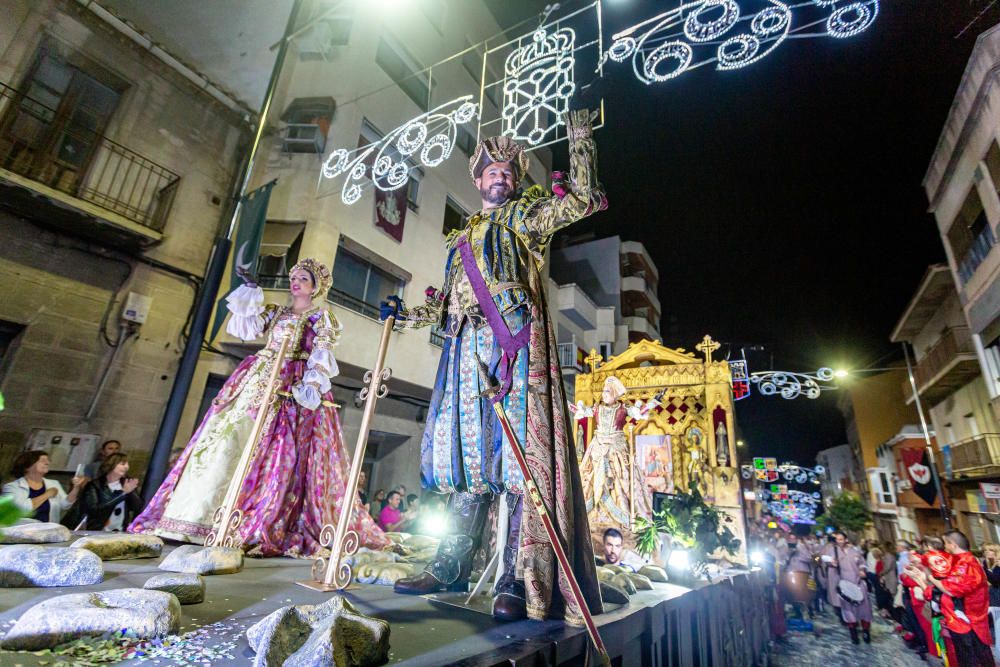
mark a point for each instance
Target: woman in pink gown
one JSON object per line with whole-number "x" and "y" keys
{"x": 297, "y": 480}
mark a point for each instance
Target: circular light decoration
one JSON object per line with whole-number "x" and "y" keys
{"x": 465, "y": 113}
{"x": 352, "y": 191}
{"x": 677, "y": 51}
{"x": 848, "y": 21}
{"x": 394, "y": 174}
{"x": 410, "y": 139}
{"x": 441, "y": 143}
{"x": 621, "y": 49}
{"x": 697, "y": 31}
{"x": 738, "y": 51}
{"x": 770, "y": 21}
{"x": 336, "y": 163}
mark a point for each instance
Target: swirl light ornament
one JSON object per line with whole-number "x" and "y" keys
{"x": 428, "y": 139}
{"x": 732, "y": 34}
{"x": 792, "y": 385}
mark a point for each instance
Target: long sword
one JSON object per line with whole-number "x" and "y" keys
{"x": 543, "y": 514}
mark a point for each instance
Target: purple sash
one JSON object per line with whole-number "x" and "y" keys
{"x": 509, "y": 343}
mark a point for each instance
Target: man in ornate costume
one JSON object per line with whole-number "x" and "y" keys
{"x": 492, "y": 310}
{"x": 297, "y": 481}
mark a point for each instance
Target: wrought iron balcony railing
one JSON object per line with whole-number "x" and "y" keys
{"x": 39, "y": 144}
{"x": 353, "y": 303}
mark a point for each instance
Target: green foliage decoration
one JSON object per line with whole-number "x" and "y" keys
{"x": 690, "y": 522}
{"x": 846, "y": 512}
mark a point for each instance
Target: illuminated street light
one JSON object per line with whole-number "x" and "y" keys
{"x": 841, "y": 373}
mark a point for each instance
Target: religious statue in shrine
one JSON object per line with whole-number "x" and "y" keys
{"x": 614, "y": 487}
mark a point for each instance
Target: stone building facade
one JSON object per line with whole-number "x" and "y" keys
{"x": 115, "y": 170}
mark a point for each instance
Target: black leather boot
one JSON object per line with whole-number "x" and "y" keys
{"x": 867, "y": 635}
{"x": 509, "y": 603}
{"x": 854, "y": 634}
{"x": 452, "y": 565}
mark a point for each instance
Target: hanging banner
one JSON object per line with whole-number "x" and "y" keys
{"x": 390, "y": 211}
{"x": 741, "y": 379}
{"x": 918, "y": 468}
{"x": 246, "y": 246}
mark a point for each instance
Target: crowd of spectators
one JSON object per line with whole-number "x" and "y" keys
{"x": 101, "y": 498}
{"x": 938, "y": 595}
{"x": 395, "y": 510}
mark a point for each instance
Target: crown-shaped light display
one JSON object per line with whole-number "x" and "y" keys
{"x": 538, "y": 85}
{"x": 544, "y": 50}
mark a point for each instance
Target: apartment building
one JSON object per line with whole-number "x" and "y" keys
{"x": 840, "y": 472}
{"x": 874, "y": 412}
{"x": 962, "y": 183}
{"x": 629, "y": 283}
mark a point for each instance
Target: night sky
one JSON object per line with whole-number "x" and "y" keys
{"x": 782, "y": 202}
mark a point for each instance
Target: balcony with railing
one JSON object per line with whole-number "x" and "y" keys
{"x": 570, "y": 357}
{"x": 81, "y": 174}
{"x": 948, "y": 365}
{"x": 976, "y": 456}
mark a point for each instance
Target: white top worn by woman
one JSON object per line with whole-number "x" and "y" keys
{"x": 19, "y": 491}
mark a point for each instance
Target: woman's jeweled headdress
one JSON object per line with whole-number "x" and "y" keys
{"x": 322, "y": 280}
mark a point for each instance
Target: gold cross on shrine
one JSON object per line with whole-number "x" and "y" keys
{"x": 707, "y": 346}
{"x": 593, "y": 360}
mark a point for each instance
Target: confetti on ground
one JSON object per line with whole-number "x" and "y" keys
{"x": 204, "y": 646}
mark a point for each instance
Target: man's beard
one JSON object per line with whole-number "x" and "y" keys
{"x": 497, "y": 195}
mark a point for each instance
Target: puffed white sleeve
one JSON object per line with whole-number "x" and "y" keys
{"x": 321, "y": 365}
{"x": 246, "y": 305}
{"x": 639, "y": 411}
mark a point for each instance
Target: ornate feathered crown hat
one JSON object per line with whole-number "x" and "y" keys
{"x": 322, "y": 280}
{"x": 498, "y": 149}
